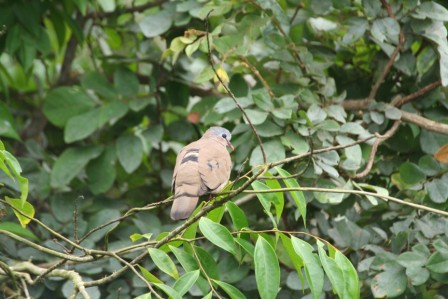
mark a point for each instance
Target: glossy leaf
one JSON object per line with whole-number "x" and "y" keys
{"x": 185, "y": 282}
{"x": 230, "y": 290}
{"x": 70, "y": 163}
{"x": 298, "y": 197}
{"x": 238, "y": 217}
{"x": 217, "y": 234}
{"x": 163, "y": 262}
{"x": 267, "y": 270}
{"x": 129, "y": 152}
{"x": 24, "y": 207}
{"x": 18, "y": 229}
{"x": 148, "y": 275}
{"x": 63, "y": 103}
{"x": 313, "y": 270}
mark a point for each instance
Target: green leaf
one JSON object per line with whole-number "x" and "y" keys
{"x": 411, "y": 174}
{"x": 205, "y": 75}
{"x": 441, "y": 246}
{"x": 126, "y": 82}
{"x": 185, "y": 282}
{"x": 256, "y": 117}
{"x": 411, "y": 259}
{"x": 101, "y": 171}
{"x": 438, "y": 263}
{"x": 332, "y": 270}
{"x": 217, "y": 234}
{"x": 136, "y": 237}
{"x": 431, "y": 10}
{"x": 156, "y": 24}
{"x": 417, "y": 275}
{"x": 386, "y": 30}
{"x": 18, "y": 230}
{"x": 267, "y": 269}
{"x": 429, "y": 165}
{"x": 163, "y": 262}
{"x": 230, "y": 290}
{"x": 63, "y": 103}
{"x": 246, "y": 245}
{"x": 313, "y": 270}
{"x": 208, "y": 296}
{"x": 298, "y": 196}
{"x": 24, "y": 207}
{"x": 70, "y": 163}
{"x": 438, "y": 190}
{"x": 266, "y": 199}
{"x": 208, "y": 263}
{"x": 185, "y": 259}
{"x": 172, "y": 294}
{"x": 83, "y": 125}
{"x": 7, "y": 124}
{"x": 390, "y": 283}
{"x": 293, "y": 141}
{"x": 350, "y": 276}
{"x": 279, "y": 202}
{"x": 238, "y": 217}
{"x": 98, "y": 83}
{"x": 274, "y": 151}
{"x": 149, "y": 276}
{"x": 9, "y": 163}
{"x": 129, "y": 152}
{"x": 393, "y": 113}
{"x": 295, "y": 259}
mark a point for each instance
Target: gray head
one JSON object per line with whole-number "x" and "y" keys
{"x": 220, "y": 133}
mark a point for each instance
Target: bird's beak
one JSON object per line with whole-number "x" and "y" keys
{"x": 230, "y": 145}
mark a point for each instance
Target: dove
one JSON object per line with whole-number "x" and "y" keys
{"x": 202, "y": 167}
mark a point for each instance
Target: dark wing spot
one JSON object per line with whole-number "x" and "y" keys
{"x": 191, "y": 157}
{"x": 193, "y": 150}
{"x": 210, "y": 165}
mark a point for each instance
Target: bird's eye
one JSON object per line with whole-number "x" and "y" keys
{"x": 224, "y": 136}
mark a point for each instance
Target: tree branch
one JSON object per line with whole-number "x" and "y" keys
{"x": 69, "y": 274}
{"x": 359, "y": 192}
{"x": 400, "y": 101}
{"x": 375, "y": 145}
{"x": 423, "y": 122}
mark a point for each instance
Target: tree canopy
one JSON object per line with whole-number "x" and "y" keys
{"x": 339, "y": 117}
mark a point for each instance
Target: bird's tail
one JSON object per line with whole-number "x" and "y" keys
{"x": 183, "y": 205}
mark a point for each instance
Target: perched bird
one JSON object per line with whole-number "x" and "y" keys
{"x": 202, "y": 167}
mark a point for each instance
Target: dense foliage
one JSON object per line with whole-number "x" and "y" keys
{"x": 339, "y": 106}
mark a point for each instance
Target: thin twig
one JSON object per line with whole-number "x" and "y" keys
{"x": 212, "y": 64}
{"x": 258, "y": 75}
{"x": 121, "y": 11}
{"x": 138, "y": 274}
{"x": 375, "y": 145}
{"x": 203, "y": 271}
{"x": 75, "y": 218}
{"x": 126, "y": 215}
{"x": 392, "y": 58}
{"x": 359, "y": 192}
{"x": 400, "y": 101}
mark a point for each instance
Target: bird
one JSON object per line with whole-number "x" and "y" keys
{"x": 202, "y": 167}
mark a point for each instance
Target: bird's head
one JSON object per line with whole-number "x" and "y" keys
{"x": 220, "y": 134}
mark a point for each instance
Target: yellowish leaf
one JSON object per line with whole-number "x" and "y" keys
{"x": 442, "y": 154}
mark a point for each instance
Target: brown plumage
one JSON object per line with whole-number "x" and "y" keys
{"x": 202, "y": 167}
